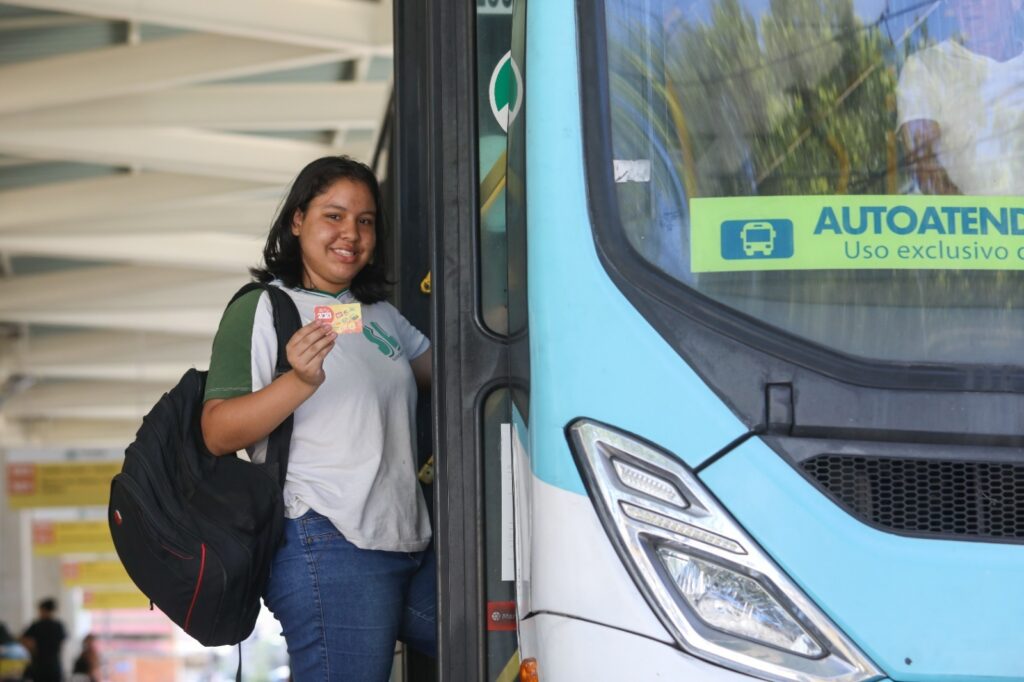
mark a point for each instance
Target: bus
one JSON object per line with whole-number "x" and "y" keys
{"x": 662, "y": 450}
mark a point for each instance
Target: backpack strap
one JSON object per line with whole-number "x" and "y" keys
{"x": 286, "y": 323}
{"x": 286, "y": 319}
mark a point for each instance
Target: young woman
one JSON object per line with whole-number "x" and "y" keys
{"x": 354, "y": 572}
{"x": 87, "y": 666}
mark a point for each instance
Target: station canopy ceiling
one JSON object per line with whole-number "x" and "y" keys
{"x": 144, "y": 148}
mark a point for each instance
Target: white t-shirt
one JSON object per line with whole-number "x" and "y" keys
{"x": 978, "y": 103}
{"x": 353, "y": 448}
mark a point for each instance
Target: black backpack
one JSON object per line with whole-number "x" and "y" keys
{"x": 197, "y": 533}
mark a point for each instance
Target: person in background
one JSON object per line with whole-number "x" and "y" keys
{"x": 13, "y": 656}
{"x": 44, "y": 639}
{"x": 961, "y": 103}
{"x": 354, "y": 572}
{"x": 87, "y": 665}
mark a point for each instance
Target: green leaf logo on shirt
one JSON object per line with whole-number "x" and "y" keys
{"x": 388, "y": 345}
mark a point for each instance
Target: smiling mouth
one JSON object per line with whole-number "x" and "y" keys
{"x": 344, "y": 254}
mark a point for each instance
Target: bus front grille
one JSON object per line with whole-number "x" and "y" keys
{"x": 927, "y": 497}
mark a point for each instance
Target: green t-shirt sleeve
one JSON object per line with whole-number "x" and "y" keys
{"x": 231, "y": 360}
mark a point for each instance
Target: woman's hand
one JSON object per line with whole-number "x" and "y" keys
{"x": 307, "y": 349}
{"x": 235, "y": 423}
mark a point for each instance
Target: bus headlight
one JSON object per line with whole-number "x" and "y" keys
{"x": 733, "y": 602}
{"x": 722, "y": 598}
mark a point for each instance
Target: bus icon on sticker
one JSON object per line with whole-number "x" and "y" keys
{"x": 756, "y": 239}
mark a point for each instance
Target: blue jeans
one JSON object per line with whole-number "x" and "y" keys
{"x": 342, "y": 608}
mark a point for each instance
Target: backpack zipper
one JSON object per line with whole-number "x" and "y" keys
{"x": 199, "y": 584}
{"x": 133, "y": 490}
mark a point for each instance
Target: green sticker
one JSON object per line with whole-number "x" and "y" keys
{"x": 912, "y": 232}
{"x": 505, "y": 91}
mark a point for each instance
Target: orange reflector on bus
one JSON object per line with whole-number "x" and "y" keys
{"x": 528, "y": 671}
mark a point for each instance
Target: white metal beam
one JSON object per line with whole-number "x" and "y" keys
{"x": 34, "y": 22}
{"x": 141, "y": 196}
{"x": 85, "y": 400}
{"x": 334, "y": 24}
{"x": 177, "y": 150}
{"x": 121, "y": 297}
{"x": 16, "y": 162}
{"x": 71, "y": 433}
{"x": 207, "y": 251}
{"x": 155, "y": 65}
{"x": 272, "y": 106}
{"x": 124, "y": 356}
{"x": 249, "y": 217}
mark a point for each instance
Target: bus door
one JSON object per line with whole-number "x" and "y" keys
{"x": 455, "y": 91}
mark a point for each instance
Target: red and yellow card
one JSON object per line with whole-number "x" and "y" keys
{"x": 345, "y": 318}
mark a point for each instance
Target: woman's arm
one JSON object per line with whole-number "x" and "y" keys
{"x": 235, "y": 423}
{"x": 29, "y": 643}
{"x": 422, "y": 370}
{"x": 922, "y": 140}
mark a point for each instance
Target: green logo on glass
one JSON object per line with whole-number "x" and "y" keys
{"x": 505, "y": 91}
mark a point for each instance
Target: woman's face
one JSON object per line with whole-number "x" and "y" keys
{"x": 337, "y": 234}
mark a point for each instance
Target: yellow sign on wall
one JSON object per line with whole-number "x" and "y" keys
{"x": 53, "y": 538}
{"x": 99, "y": 600}
{"x": 12, "y": 669}
{"x": 59, "y": 484}
{"x": 90, "y": 573}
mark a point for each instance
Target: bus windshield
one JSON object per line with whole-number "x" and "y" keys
{"x": 848, "y": 171}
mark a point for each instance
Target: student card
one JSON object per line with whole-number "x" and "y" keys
{"x": 345, "y": 318}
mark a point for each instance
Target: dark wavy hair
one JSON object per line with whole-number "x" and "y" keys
{"x": 282, "y": 257}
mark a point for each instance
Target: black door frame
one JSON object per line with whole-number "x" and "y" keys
{"x": 436, "y": 187}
